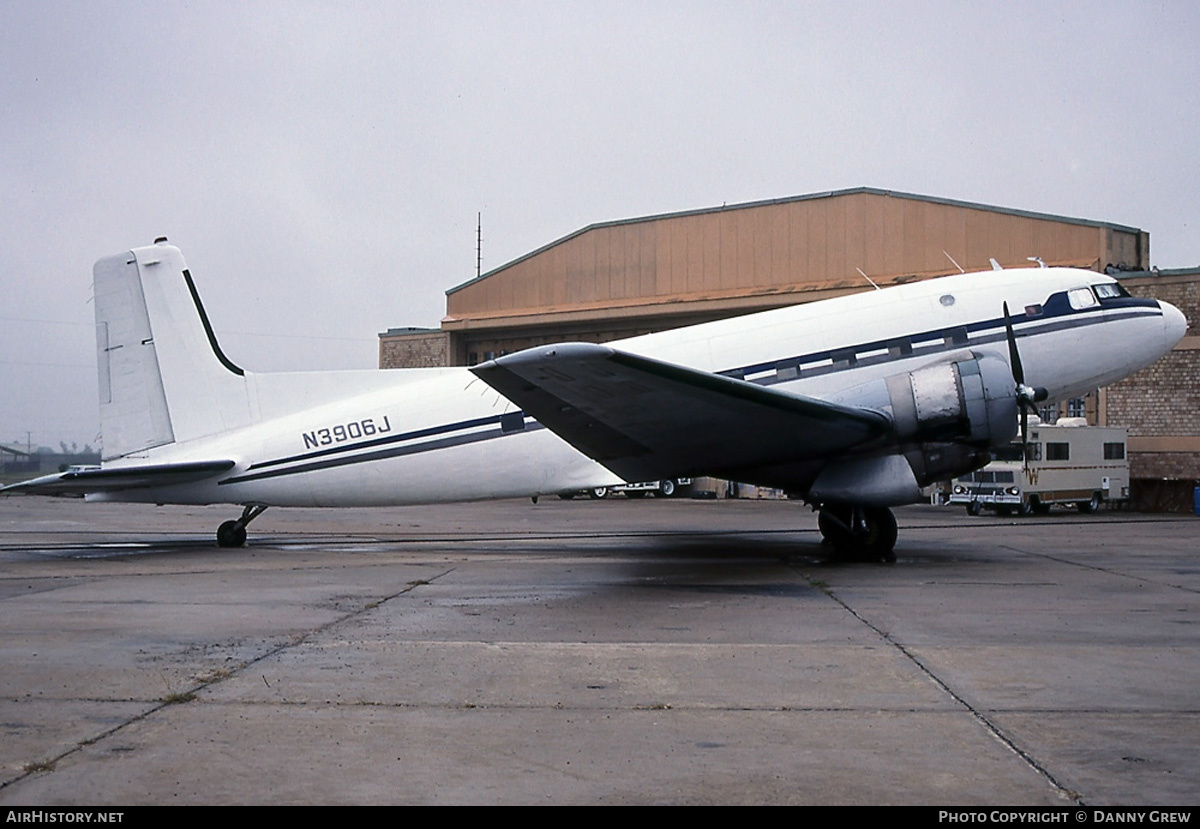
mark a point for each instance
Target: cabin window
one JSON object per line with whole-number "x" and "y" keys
{"x": 1110, "y": 290}
{"x": 1033, "y": 310}
{"x": 1058, "y": 451}
{"x": 512, "y": 422}
{"x": 1114, "y": 451}
{"x": 1081, "y": 298}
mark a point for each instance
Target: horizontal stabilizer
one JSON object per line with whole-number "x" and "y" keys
{"x": 646, "y": 419}
{"x": 84, "y": 481}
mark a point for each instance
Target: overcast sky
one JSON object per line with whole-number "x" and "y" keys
{"x": 321, "y": 164}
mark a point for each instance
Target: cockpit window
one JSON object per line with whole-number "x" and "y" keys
{"x": 1081, "y": 298}
{"x": 1109, "y": 290}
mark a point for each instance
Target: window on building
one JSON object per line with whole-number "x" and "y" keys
{"x": 1076, "y": 407}
{"x": 1114, "y": 451}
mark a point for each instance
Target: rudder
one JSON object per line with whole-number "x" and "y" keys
{"x": 163, "y": 377}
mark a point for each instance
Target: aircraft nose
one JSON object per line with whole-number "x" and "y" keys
{"x": 1174, "y": 323}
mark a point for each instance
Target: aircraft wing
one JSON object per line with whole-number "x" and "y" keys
{"x": 83, "y": 481}
{"x": 646, "y": 419}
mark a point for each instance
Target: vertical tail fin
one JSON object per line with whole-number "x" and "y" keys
{"x": 163, "y": 377}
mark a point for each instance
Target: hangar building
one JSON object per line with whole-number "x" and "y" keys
{"x": 623, "y": 278}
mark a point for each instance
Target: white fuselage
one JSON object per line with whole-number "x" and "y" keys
{"x": 428, "y": 435}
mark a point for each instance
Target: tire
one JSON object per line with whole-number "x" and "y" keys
{"x": 1038, "y": 507}
{"x": 974, "y": 508}
{"x": 1089, "y": 507}
{"x": 231, "y": 534}
{"x": 1025, "y": 508}
{"x": 667, "y": 488}
{"x": 877, "y": 544}
{"x": 599, "y": 493}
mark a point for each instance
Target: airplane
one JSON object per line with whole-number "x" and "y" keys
{"x": 853, "y": 403}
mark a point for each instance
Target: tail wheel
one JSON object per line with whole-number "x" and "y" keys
{"x": 231, "y": 534}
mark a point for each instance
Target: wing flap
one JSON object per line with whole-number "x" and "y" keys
{"x": 645, "y": 419}
{"x": 84, "y": 481}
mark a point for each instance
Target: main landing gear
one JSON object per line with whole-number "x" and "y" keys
{"x": 233, "y": 533}
{"x": 859, "y": 533}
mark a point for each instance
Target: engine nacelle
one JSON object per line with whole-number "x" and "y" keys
{"x": 970, "y": 401}
{"x": 946, "y": 417}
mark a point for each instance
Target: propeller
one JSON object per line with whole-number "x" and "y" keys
{"x": 1027, "y": 396}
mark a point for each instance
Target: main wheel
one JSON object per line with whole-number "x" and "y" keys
{"x": 873, "y": 538}
{"x": 231, "y": 534}
{"x": 667, "y": 488}
{"x": 834, "y": 523}
{"x": 598, "y": 493}
{"x": 879, "y": 542}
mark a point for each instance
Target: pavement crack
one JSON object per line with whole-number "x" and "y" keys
{"x": 992, "y": 728}
{"x": 189, "y": 695}
{"x": 1098, "y": 569}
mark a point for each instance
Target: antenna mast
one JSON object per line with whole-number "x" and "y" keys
{"x": 478, "y": 243}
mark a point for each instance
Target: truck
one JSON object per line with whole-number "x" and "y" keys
{"x": 1068, "y": 463}
{"x": 666, "y": 488}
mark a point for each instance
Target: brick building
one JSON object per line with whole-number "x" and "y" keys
{"x": 1160, "y": 406}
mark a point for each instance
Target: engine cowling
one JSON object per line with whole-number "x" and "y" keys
{"x": 946, "y": 417}
{"x": 970, "y": 401}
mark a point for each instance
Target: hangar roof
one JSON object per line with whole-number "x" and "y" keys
{"x": 1030, "y": 214}
{"x": 761, "y": 254}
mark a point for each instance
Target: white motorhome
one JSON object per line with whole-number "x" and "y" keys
{"x": 1069, "y": 463}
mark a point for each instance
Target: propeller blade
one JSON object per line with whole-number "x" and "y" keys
{"x": 1014, "y": 356}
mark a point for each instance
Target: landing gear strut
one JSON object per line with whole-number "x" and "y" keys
{"x": 858, "y": 532}
{"x": 233, "y": 533}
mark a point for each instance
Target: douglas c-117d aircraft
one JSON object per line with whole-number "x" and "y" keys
{"x": 852, "y": 403}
